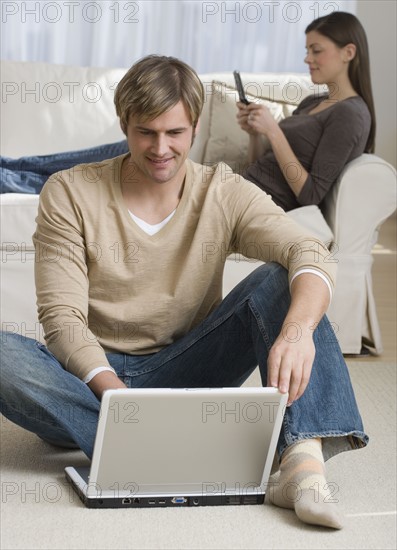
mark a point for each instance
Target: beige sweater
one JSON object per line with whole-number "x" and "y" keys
{"x": 104, "y": 285}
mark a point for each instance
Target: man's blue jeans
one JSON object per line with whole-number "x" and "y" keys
{"x": 40, "y": 395}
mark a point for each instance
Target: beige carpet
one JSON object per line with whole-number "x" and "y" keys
{"x": 40, "y": 511}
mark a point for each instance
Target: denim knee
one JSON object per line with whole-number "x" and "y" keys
{"x": 23, "y": 361}
{"x": 270, "y": 296}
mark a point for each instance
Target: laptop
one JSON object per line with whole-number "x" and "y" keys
{"x": 181, "y": 447}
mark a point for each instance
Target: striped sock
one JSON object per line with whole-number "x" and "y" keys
{"x": 300, "y": 485}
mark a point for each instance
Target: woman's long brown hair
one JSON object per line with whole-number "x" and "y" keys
{"x": 344, "y": 28}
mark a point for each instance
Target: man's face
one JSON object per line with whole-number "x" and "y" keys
{"x": 159, "y": 147}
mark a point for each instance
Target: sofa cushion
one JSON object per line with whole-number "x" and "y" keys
{"x": 53, "y": 108}
{"x": 311, "y": 218}
{"x": 227, "y": 142}
{"x": 17, "y": 289}
{"x": 18, "y": 223}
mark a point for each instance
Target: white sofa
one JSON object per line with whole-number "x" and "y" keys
{"x": 52, "y": 108}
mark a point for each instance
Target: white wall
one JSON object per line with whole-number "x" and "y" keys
{"x": 379, "y": 20}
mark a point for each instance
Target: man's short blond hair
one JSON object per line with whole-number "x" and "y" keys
{"x": 154, "y": 85}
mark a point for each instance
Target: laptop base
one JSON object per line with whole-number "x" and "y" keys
{"x": 163, "y": 501}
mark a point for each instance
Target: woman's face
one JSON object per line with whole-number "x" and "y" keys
{"x": 327, "y": 62}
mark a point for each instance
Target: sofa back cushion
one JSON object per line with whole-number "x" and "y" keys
{"x": 223, "y": 137}
{"x": 54, "y": 108}
{"x": 49, "y": 108}
{"x": 226, "y": 141}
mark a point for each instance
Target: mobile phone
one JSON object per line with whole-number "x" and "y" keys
{"x": 240, "y": 89}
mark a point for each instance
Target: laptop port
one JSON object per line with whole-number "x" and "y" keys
{"x": 178, "y": 500}
{"x": 161, "y": 501}
{"x": 250, "y": 499}
{"x": 126, "y": 501}
{"x": 196, "y": 501}
{"x": 151, "y": 501}
{"x": 233, "y": 500}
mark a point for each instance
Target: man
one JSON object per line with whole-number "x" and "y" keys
{"x": 129, "y": 262}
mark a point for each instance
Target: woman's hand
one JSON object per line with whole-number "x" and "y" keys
{"x": 259, "y": 119}
{"x": 252, "y": 119}
{"x": 258, "y": 122}
{"x": 242, "y": 118}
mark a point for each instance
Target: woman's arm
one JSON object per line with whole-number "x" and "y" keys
{"x": 343, "y": 138}
{"x": 256, "y": 147}
{"x": 261, "y": 121}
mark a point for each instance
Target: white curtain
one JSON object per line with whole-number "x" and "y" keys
{"x": 211, "y": 36}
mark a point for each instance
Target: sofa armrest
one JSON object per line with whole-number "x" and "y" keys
{"x": 362, "y": 199}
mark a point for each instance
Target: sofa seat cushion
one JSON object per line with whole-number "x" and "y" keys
{"x": 17, "y": 289}
{"x": 18, "y": 215}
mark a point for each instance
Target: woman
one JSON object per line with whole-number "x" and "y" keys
{"x": 306, "y": 152}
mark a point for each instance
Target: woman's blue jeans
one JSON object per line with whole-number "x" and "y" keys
{"x": 29, "y": 174}
{"x": 38, "y": 394}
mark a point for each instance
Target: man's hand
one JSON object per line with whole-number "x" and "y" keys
{"x": 105, "y": 380}
{"x": 291, "y": 357}
{"x": 290, "y": 362}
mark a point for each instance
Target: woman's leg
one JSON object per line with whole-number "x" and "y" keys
{"x": 28, "y": 174}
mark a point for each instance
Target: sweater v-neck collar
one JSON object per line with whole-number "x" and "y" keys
{"x": 178, "y": 211}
